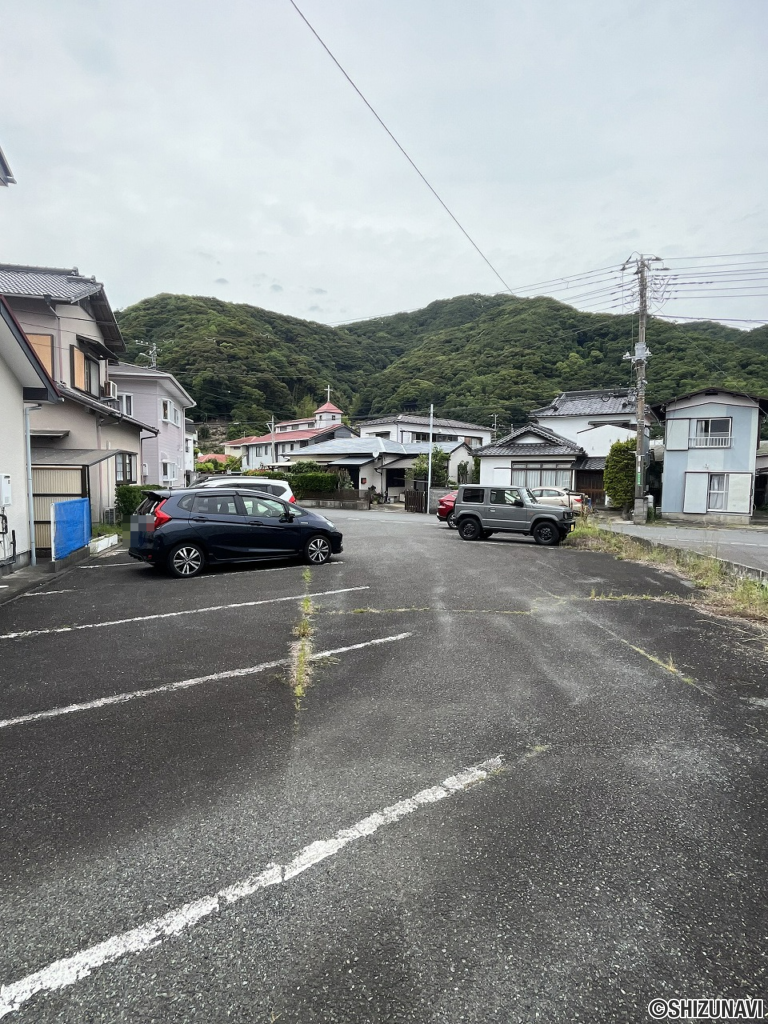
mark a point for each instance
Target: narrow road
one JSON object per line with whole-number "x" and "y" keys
{"x": 520, "y": 784}
{"x": 747, "y": 546}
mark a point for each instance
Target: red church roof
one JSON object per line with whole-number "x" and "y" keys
{"x": 328, "y": 407}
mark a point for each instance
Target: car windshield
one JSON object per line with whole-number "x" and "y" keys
{"x": 530, "y": 497}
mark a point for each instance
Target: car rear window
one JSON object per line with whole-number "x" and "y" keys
{"x": 186, "y": 502}
{"x": 148, "y": 506}
{"x": 474, "y": 495}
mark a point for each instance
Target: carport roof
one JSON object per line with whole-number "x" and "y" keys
{"x": 74, "y": 456}
{"x": 359, "y": 461}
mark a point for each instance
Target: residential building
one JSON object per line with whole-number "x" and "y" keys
{"x": 710, "y": 455}
{"x": 190, "y": 443}
{"x": 408, "y": 427}
{"x": 565, "y": 444}
{"x": 23, "y": 383}
{"x": 86, "y": 444}
{"x": 155, "y": 396}
{"x": 532, "y": 456}
{"x": 290, "y": 437}
{"x": 379, "y": 463}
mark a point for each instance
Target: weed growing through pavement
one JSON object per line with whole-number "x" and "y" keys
{"x": 301, "y": 648}
{"x": 720, "y": 592}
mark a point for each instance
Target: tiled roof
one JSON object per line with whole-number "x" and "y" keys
{"x": 550, "y": 444}
{"x": 212, "y": 457}
{"x": 62, "y": 285}
{"x": 590, "y": 462}
{"x": 600, "y": 402}
{"x": 329, "y": 407}
{"x": 288, "y": 435}
{"x": 148, "y": 373}
{"x": 376, "y": 446}
{"x": 420, "y": 421}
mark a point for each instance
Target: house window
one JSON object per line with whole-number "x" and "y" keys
{"x": 717, "y": 492}
{"x": 125, "y": 469}
{"x": 43, "y": 346}
{"x": 526, "y": 476}
{"x": 711, "y": 434}
{"x": 170, "y": 412}
{"x": 169, "y": 471}
{"x": 85, "y": 372}
{"x": 383, "y": 433}
{"x": 126, "y": 404}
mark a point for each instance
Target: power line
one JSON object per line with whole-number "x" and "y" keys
{"x": 402, "y": 150}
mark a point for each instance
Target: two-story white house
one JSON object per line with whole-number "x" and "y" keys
{"x": 565, "y": 444}
{"x": 24, "y": 385}
{"x": 406, "y": 428}
{"x": 710, "y": 452}
{"x": 85, "y": 445}
{"x": 156, "y": 397}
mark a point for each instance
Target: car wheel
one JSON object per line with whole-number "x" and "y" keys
{"x": 317, "y": 550}
{"x": 186, "y": 561}
{"x": 469, "y": 529}
{"x": 546, "y": 533}
{"x": 450, "y": 521}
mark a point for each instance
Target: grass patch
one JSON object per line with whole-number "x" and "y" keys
{"x": 720, "y": 591}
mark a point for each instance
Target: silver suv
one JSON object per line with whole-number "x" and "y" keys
{"x": 480, "y": 512}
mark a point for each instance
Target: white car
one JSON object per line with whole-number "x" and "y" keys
{"x": 557, "y": 496}
{"x": 280, "y": 488}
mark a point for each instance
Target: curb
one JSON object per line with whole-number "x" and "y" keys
{"x": 732, "y": 568}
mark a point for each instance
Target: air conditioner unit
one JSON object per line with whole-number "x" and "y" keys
{"x": 109, "y": 390}
{"x": 110, "y": 516}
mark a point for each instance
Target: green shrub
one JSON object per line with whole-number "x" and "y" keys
{"x": 619, "y": 475}
{"x": 128, "y": 497}
{"x": 304, "y": 483}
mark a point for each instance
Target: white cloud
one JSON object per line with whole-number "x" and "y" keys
{"x": 181, "y": 135}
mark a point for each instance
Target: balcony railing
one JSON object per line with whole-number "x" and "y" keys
{"x": 710, "y": 441}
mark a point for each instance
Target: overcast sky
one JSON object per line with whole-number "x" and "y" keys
{"x": 213, "y": 148}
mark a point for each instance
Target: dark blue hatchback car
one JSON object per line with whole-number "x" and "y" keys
{"x": 182, "y": 531}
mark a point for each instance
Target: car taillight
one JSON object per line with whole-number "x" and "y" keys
{"x": 161, "y": 518}
{"x": 292, "y": 499}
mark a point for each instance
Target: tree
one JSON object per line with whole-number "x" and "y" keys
{"x": 307, "y": 466}
{"x": 619, "y": 474}
{"x": 420, "y": 468}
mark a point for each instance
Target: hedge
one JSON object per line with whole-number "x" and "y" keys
{"x": 302, "y": 483}
{"x": 128, "y": 497}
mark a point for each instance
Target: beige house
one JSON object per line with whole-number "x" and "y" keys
{"x": 86, "y": 445}
{"x": 24, "y": 385}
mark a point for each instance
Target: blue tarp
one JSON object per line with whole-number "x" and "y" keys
{"x": 70, "y": 526}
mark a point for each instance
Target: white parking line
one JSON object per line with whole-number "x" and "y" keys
{"x": 45, "y": 593}
{"x": 71, "y": 969}
{"x": 114, "y": 565}
{"x": 184, "y": 684}
{"x": 171, "y": 615}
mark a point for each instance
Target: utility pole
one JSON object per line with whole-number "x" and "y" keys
{"x": 639, "y": 358}
{"x": 429, "y": 464}
{"x": 272, "y": 434}
{"x": 495, "y": 428}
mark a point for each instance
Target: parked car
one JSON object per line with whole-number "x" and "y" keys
{"x": 445, "y": 509}
{"x": 482, "y": 511}
{"x": 280, "y": 488}
{"x": 558, "y": 496}
{"x": 183, "y": 531}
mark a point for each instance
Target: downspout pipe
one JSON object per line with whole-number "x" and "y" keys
{"x": 30, "y": 499}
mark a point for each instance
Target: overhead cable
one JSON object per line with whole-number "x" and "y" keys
{"x": 445, "y": 206}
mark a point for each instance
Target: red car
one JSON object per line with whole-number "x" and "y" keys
{"x": 445, "y": 509}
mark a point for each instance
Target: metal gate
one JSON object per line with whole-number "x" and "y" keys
{"x": 51, "y": 484}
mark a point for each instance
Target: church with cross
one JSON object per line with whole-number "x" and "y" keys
{"x": 290, "y": 437}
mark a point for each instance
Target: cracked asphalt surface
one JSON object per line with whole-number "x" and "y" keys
{"x": 618, "y": 856}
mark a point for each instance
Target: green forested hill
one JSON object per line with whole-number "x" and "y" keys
{"x": 472, "y": 356}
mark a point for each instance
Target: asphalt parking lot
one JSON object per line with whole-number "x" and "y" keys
{"x": 185, "y": 838}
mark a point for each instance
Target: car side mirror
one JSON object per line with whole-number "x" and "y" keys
{"x": 287, "y": 518}
{"x": 519, "y": 503}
